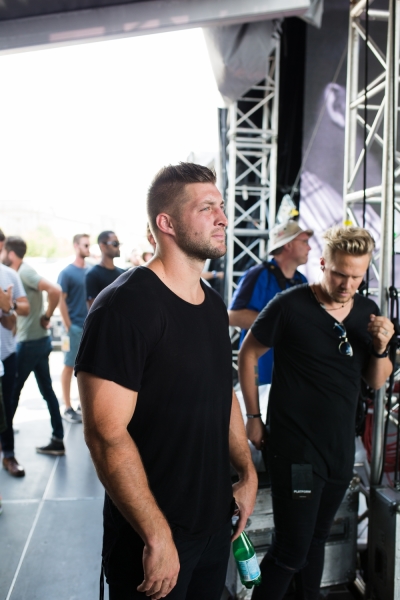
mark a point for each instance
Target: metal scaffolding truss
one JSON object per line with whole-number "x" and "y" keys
{"x": 252, "y": 157}
{"x": 252, "y": 131}
{"x": 379, "y": 101}
{"x": 374, "y": 108}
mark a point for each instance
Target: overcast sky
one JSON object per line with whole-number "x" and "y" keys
{"x": 85, "y": 127}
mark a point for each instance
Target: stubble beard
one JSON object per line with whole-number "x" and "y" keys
{"x": 334, "y": 296}
{"x": 198, "y": 249}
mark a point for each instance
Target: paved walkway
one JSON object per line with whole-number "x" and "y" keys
{"x": 50, "y": 529}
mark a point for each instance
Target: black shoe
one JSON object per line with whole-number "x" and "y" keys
{"x": 55, "y": 448}
{"x": 72, "y": 416}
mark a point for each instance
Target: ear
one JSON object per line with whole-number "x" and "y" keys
{"x": 164, "y": 224}
{"x": 335, "y": 100}
{"x": 322, "y": 262}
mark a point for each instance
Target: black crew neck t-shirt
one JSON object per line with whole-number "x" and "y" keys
{"x": 98, "y": 278}
{"x": 177, "y": 356}
{"x": 314, "y": 393}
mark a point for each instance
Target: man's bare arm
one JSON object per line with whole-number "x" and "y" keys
{"x": 62, "y": 305}
{"x": 22, "y": 309}
{"x": 53, "y": 296}
{"x": 245, "y": 489}
{"x": 107, "y": 410}
{"x": 243, "y": 318}
{"x": 249, "y": 354}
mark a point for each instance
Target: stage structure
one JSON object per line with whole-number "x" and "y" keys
{"x": 374, "y": 109}
{"x": 252, "y": 129}
{"x": 380, "y": 129}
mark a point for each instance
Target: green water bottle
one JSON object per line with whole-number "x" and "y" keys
{"x": 246, "y": 561}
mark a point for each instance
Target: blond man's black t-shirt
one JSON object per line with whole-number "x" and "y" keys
{"x": 177, "y": 356}
{"x": 315, "y": 388}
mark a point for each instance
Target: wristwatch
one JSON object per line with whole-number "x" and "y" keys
{"x": 10, "y": 313}
{"x": 383, "y": 355}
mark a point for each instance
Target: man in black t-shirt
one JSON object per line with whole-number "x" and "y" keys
{"x": 326, "y": 337}
{"x": 105, "y": 273}
{"x": 161, "y": 420}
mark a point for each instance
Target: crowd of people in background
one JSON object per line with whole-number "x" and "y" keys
{"x": 25, "y": 330}
{"x": 25, "y": 340}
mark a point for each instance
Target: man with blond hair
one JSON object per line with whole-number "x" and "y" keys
{"x": 326, "y": 337}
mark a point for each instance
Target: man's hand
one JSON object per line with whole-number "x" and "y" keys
{"x": 6, "y": 299}
{"x": 45, "y": 322}
{"x": 382, "y": 330}
{"x": 161, "y": 568}
{"x": 256, "y": 432}
{"x": 245, "y": 493}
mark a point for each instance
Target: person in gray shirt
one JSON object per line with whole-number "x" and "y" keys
{"x": 33, "y": 338}
{"x": 10, "y": 283}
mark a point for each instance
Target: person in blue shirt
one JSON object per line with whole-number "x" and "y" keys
{"x": 73, "y": 311}
{"x": 289, "y": 248}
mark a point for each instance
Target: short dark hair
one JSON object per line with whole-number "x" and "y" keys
{"x": 77, "y": 238}
{"x": 166, "y": 192}
{"x": 103, "y": 236}
{"x": 16, "y": 244}
{"x": 2, "y": 236}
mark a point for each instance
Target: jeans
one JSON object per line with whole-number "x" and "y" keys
{"x": 34, "y": 356}
{"x": 8, "y": 380}
{"x": 301, "y": 530}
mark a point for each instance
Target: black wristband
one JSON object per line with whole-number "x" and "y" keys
{"x": 383, "y": 355}
{"x": 45, "y": 318}
{"x": 258, "y": 416}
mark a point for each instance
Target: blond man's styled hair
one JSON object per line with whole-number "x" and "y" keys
{"x": 356, "y": 241}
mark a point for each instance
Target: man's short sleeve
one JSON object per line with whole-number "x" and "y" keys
{"x": 112, "y": 348}
{"x": 63, "y": 281}
{"x": 252, "y": 291}
{"x": 268, "y": 327}
{"x": 92, "y": 285}
{"x": 18, "y": 290}
{"x": 29, "y": 276}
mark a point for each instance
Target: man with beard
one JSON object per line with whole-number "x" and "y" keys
{"x": 161, "y": 420}
{"x": 105, "y": 273}
{"x": 326, "y": 337}
{"x": 73, "y": 311}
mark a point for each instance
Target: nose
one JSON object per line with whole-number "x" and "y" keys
{"x": 221, "y": 218}
{"x": 346, "y": 285}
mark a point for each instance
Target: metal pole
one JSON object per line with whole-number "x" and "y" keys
{"x": 273, "y": 161}
{"x": 389, "y": 135}
{"x": 350, "y": 149}
{"x": 377, "y": 436}
{"x": 231, "y": 204}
